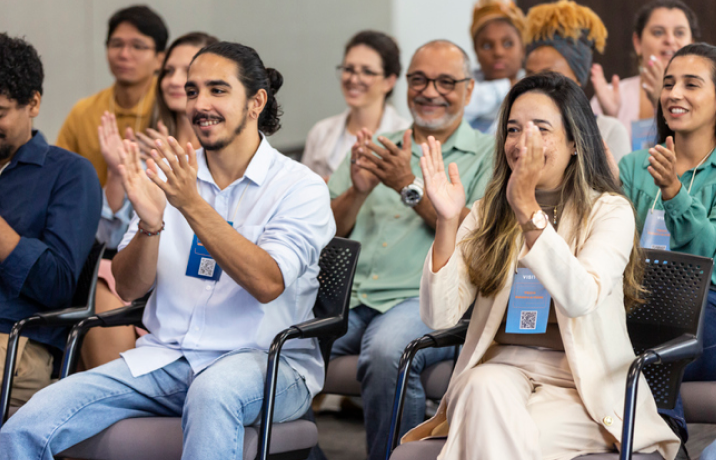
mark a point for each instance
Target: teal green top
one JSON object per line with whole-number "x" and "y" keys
{"x": 689, "y": 217}
{"x": 395, "y": 239}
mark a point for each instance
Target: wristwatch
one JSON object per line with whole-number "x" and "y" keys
{"x": 411, "y": 194}
{"x": 538, "y": 221}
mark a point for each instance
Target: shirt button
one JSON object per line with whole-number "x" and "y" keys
{"x": 385, "y": 245}
{"x": 375, "y": 277}
{"x": 608, "y": 420}
{"x": 208, "y": 288}
{"x": 364, "y": 295}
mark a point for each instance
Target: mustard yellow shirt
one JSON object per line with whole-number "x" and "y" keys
{"x": 79, "y": 132}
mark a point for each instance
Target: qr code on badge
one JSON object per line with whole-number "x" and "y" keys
{"x": 528, "y": 320}
{"x": 206, "y": 267}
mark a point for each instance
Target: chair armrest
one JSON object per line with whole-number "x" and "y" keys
{"x": 450, "y": 337}
{"x": 324, "y": 327}
{"x": 125, "y": 316}
{"x": 680, "y": 348}
{"x": 60, "y": 318}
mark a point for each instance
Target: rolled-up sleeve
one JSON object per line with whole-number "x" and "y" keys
{"x": 113, "y": 225}
{"x": 301, "y": 227}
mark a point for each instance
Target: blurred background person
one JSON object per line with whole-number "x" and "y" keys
{"x": 496, "y": 31}
{"x": 661, "y": 28}
{"x": 370, "y": 68}
{"x": 562, "y": 37}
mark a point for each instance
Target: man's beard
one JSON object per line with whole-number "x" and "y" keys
{"x": 222, "y": 143}
{"x": 439, "y": 123}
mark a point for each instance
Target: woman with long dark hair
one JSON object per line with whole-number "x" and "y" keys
{"x": 550, "y": 255}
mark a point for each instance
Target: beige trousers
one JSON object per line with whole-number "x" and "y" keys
{"x": 520, "y": 404}
{"x": 33, "y": 369}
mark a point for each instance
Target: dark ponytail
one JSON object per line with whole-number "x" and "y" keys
{"x": 254, "y": 76}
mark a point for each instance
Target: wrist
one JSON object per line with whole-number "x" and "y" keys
{"x": 404, "y": 182}
{"x": 523, "y": 213}
{"x": 150, "y": 227}
{"x": 669, "y": 192}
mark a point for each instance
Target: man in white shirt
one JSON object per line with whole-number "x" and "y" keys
{"x": 236, "y": 206}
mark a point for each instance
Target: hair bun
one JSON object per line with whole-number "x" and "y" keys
{"x": 275, "y": 79}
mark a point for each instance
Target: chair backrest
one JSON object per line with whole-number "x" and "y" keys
{"x": 338, "y": 263}
{"x": 87, "y": 282}
{"x": 677, "y": 286}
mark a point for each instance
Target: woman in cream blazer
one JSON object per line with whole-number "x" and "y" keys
{"x": 560, "y": 394}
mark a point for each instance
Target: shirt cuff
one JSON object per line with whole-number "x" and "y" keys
{"x": 124, "y": 213}
{"x": 678, "y": 205}
{"x": 15, "y": 268}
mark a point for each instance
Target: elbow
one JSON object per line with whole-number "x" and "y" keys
{"x": 268, "y": 294}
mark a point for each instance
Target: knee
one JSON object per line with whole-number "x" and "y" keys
{"x": 483, "y": 383}
{"x": 381, "y": 354}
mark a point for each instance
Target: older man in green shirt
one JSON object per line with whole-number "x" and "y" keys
{"x": 377, "y": 199}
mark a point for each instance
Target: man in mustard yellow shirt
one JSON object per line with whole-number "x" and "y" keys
{"x": 136, "y": 40}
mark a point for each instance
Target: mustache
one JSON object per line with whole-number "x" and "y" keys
{"x": 431, "y": 100}
{"x": 205, "y": 116}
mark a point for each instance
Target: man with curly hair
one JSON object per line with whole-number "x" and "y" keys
{"x": 50, "y": 203}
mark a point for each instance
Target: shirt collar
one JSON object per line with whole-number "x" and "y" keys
{"x": 256, "y": 171}
{"x": 32, "y": 152}
{"x": 462, "y": 139}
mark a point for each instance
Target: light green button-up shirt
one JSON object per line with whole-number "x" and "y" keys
{"x": 689, "y": 217}
{"x": 395, "y": 239}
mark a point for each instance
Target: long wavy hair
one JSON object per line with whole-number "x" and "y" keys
{"x": 490, "y": 249}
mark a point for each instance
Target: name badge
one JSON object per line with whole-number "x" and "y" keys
{"x": 201, "y": 265}
{"x": 528, "y": 309}
{"x": 643, "y": 134}
{"x": 655, "y": 235}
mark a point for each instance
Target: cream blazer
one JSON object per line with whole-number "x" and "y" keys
{"x": 324, "y": 135}
{"x": 584, "y": 276}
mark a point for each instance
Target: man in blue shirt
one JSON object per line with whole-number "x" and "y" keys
{"x": 229, "y": 238}
{"x": 49, "y": 210}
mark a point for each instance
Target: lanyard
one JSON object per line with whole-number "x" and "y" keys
{"x": 693, "y": 175}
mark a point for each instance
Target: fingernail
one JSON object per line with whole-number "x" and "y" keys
{"x": 652, "y": 58}
{"x": 159, "y": 142}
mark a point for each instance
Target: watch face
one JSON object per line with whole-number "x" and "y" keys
{"x": 412, "y": 196}
{"x": 539, "y": 219}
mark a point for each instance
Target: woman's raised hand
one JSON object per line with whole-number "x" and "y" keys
{"x": 110, "y": 142}
{"x": 447, "y": 197}
{"x": 609, "y": 98}
{"x": 526, "y": 173}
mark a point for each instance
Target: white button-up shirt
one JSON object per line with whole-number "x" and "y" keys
{"x": 284, "y": 208}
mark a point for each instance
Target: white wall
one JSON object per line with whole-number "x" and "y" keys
{"x": 302, "y": 39}
{"x": 415, "y": 22}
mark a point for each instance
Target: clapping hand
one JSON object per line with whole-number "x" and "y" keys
{"x": 392, "y": 164}
{"x": 447, "y": 197}
{"x": 180, "y": 169}
{"x": 147, "y": 199}
{"x": 609, "y": 98}
{"x": 146, "y": 141}
{"x": 526, "y": 172}
{"x": 652, "y": 78}
{"x": 663, "y": 169}
{"x": 110, "y": 143}
{"x": 363, "y": 180}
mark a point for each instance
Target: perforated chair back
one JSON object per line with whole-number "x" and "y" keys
{"x": 677, "y": 286}
{"x": 338, "y": 264}
{"x": 84, "y": 295}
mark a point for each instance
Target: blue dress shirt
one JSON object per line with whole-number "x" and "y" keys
{"x": 284, "y": 208}
{"x": 52, "y": 199}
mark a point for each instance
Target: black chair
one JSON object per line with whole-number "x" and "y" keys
{"x": 666, "y": 333}
{"x": 82, "y": 306}
{"x": 160, "y": 437}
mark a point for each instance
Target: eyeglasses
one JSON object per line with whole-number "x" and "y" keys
{"x": 364, "y": 75}
{"x": 443, "y": 85}
{"x": 134, "y": 47}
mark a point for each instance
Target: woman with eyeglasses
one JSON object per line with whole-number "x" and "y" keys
{"x": 370, "y": 68}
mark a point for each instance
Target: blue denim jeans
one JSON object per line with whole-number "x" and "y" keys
{"x": 380, "y": 340}
{"x": 709, "y": 453}
{"x": 214, "y": 404}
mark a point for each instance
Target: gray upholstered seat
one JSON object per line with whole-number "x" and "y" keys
{"x": 699, "y": 401}
{"x": 430, "y": 448}
{"x": 160, "y": 438}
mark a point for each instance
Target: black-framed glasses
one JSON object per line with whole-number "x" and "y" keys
{"x": 365, "y": 75}
{"x": 135, "y": 47}
{"x": 444, "y": 85}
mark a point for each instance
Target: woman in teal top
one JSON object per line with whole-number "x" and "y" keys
{"x": 673, "y": 186}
